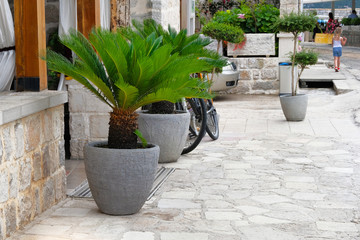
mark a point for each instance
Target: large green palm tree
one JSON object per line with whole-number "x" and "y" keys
{"x": 127, "y": 73}
{"x": 182, "y": 44}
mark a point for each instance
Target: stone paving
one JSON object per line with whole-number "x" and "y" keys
{"x": 265, "y": 178}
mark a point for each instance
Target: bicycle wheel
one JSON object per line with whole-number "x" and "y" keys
{"x": 212, "y": 123}
{"x": 197, "y": 127}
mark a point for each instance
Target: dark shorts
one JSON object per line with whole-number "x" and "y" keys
{"x": 337, "y": 51}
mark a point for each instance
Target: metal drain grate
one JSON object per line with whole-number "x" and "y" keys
{"x": 83, "y": 190}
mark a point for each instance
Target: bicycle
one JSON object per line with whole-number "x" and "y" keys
{"x": 212, "y": 124}
{"x": 198, "y": 119}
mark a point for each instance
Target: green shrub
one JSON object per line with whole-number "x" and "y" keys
{"x": 225, "y": 32}
{"x": 258, "y": 18}
{"x": 355, "y": 21}
{"x": 346, "y": 21}
{"x": 305, "y": 58}
{"x": 350, "y": 21}
{"x": 296, "y": 23}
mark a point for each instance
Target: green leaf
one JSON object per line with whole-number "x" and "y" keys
{"x": 142, "y": 139}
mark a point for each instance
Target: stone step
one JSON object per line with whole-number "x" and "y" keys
{"x": 318, "y": 74}
{"x": 341, "y": 87}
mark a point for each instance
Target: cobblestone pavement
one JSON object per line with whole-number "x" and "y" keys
{"x": 265, "y": 178}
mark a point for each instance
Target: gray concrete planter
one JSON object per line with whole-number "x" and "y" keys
{"x": 294, "y": 107}
{"x": 120, "y": 180}
{"x": 169, "y": 131}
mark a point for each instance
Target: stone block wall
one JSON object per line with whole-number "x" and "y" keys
{"x": 167, "y": 12}
{"x": 140, "y": 9}
{"x": 89, "y": 118}
{"x": 257, "y": 76}
{"x": 32, "y": 160}
{"x": 257, "y": 44}
{"x": 352, "y": 33}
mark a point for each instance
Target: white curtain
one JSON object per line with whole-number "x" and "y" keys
{"x": 67, "y": 21}
{"x": 105, "y": 14}
{"x": 67, "y": 16}
{"x": 7, "y": 39}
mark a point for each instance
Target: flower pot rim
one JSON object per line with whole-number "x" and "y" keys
{"x": 98, "y": 144}
{"x": 175, "y": 112}
{"x": 290, "y": 95}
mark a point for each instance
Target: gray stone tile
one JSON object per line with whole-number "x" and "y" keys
{"x": 183, "y": 236}
{"x": 48, "y": 230}
{"x": 138, "y": 236}
{"x": 217, "y": 215}
{"x": 336, "y": 226}
{"x": 177, "y": 203}
{"x": 266, "y": 220}
{"x": 270, "y": 199}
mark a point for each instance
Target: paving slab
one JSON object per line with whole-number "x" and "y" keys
{"x": 320, "y": 73}
{"x": 341, "y": 86}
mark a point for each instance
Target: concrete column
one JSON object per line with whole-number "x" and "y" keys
{"x": 333, "y": 8}
{"x": 353, "y": 5}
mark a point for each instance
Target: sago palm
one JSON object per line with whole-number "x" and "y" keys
{"x": 181, "y": 42}
{"x": 184, "y": 45}
{"x": 127, "y": 74}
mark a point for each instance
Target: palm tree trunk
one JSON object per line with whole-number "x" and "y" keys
{"x": 122, "y": 126}
{"x": 120, "y": 14}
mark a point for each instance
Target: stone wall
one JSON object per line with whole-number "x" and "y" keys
{"x": 89, "y": 118}
{"x": 167, "y": 12}
{"x": 140, "y": 9}
{"x": 352, "y": 33}
{"x": 32, "y": 159}
{"x": 257, "y": 76}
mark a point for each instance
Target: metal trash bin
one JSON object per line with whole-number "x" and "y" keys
{"x": 285, "y": 77}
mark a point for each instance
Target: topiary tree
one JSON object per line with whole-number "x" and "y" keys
{"x": 295, "y": 23}
{"x": 223, "y": 32}
{"x": 303, "y": 59}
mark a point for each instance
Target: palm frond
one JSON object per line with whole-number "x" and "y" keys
{"x": 59, "y": 63}
{"x": 76, "y": 42}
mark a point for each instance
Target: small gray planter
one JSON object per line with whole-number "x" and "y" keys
{"x": 294, "y": 107}
{"x": 169, "y": 131}
{"x": 120, "y": 180}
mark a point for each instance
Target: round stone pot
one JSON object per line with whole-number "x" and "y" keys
{"x": 120, "y": 180}
{"x": 169, "y": 131}
{"x": 294, "y": 107}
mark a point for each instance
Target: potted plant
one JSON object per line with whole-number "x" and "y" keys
{"x": 294, "y": 105}
{"x": 125, "y": 75}
{"x": 161, "y": 116}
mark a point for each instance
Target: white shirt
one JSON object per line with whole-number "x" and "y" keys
{"x": 337, "y": 43}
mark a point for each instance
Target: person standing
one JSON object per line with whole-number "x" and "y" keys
{"x": 331, "y": 17}
{"x": 353, "y": 14}
{"x": 337, "y": 43}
